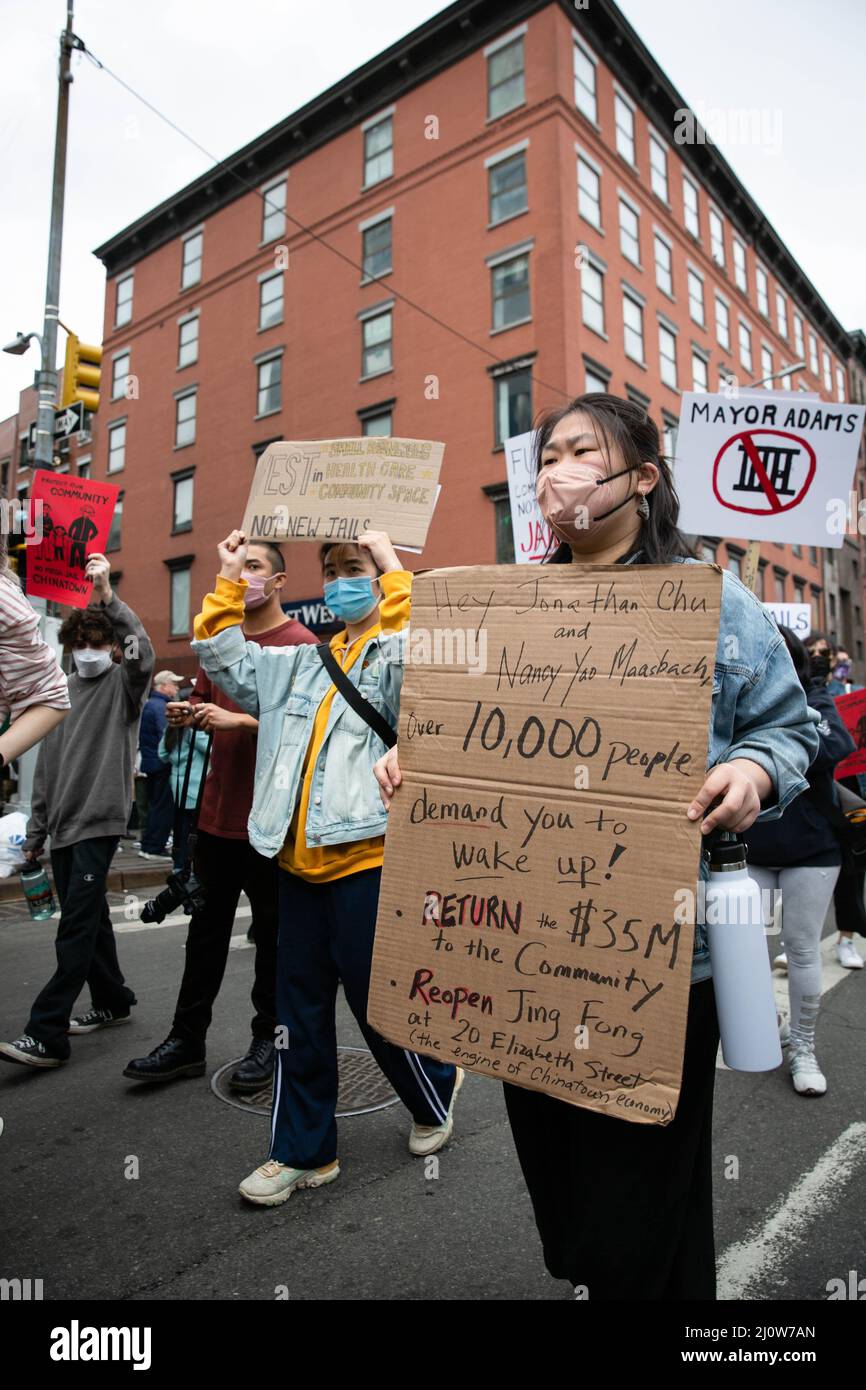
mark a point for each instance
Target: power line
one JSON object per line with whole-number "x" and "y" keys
{"x": 308, "y": 231}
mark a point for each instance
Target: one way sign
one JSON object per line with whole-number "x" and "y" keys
{"x": 69, "y": 420}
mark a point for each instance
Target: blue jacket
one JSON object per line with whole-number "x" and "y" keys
{"x": 177, "y": 760}
{"x": 151, "y": 730}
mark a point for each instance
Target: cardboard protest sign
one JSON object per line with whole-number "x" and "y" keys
{"x": 533, "y": 538}
{"x": 852, "y": 711}
{"x": 333, "y": 489}
{"x": 796, "y": 616}
{"x": 767, "y": 467}
{"x": 76, "y": 519}
{"x": 537, "y": 901}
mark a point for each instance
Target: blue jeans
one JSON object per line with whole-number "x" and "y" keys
{"x": 160, "y": 812}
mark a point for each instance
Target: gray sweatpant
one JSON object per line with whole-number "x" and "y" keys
{"x": 805, "y": 897}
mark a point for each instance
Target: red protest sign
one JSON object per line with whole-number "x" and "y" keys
{"x": 75, "y": 516}
{"x": 755, "y": 472}
{"x": 852, "y": 711}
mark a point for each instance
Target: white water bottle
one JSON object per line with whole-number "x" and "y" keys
{"x": 740, "y": 961}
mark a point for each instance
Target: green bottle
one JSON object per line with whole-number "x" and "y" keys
{"x": 37, "y": 891}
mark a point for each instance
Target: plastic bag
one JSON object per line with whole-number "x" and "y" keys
{"x": 13, "y": 832}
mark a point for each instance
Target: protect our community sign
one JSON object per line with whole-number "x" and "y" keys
{"x": 76, "y": 520}
{"x": 533, "y": 538}
{"x": 773, "y": 466}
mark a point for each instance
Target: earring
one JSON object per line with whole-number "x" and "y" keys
{"x": 643, "y": 509}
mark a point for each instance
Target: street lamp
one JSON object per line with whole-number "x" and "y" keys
{"x": 783, "y": 371}
{"x": 21, "y": 343}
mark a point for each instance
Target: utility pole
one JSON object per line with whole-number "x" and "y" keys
{"x": 46, "y": 379}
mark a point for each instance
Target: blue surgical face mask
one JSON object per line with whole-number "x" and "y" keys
{"x": 350, "y": 599}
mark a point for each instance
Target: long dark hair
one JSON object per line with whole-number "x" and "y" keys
{"x": 799, "y": 656}
{"x": 621, "y": 425}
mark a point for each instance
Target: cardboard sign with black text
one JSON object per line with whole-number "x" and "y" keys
{"x": 536, "y": 915}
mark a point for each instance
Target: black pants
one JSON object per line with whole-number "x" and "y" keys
{"x": 85, "y": 945}
{"x": 848, "y": 902}
{"x": 627, "y": 1209}
{"x": 226, "y": 868}
{"x": 160, "y": 812}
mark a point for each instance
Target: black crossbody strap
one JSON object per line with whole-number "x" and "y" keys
{"x": 352, "y": 695}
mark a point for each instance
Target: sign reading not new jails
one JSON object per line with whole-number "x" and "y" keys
{"x": 773, "y": 466}
{"x": 537, "y": 902}
{"x": 533, "y": 538}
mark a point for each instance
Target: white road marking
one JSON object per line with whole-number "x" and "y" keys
{"x": 746, "y": 1263}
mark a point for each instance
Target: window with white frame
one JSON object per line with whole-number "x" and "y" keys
{"x": 828, "y": 374}
{"x": 274, "y": 210}
{"x": 506, "y": 187}
{"x": 668, "y": 355}
{"x": 740, "y": 275}
{"x": 510, "y": 285}
{"x": 378, "y": 425}
{"x": 505, "y": 78}
{"x": 799, "y": 345}
{"x": 119, "y": 373}
{"x": 589, "y": 191}
{"x": 766, "y": 364}
{"x": 717, "y": 237}
{"x": 762, "y": 286}
{"x": 781, "y": 314}
{"x": 180, "y": 591}
{"x": 378, "y": 150}
{"x": 745, "y": 342}
{"x": 116, "y": 446}
{"x": 191, "y": 258}
{"x": 181, "y": 508}
{"x": 691, "y": 213}
{"x": 585, "y": 94}
{"x": 632, "y": 323}
{"x": 184, "y": 419}
{"x": 83, "y": 466}
{"x": 123, "y": 301}
{"x": 377, "y": 343}
{"x": 658, "y": 168}
{"x": 723, "y": 324}
{"x": 696, "y": 296}
{"x": 376, "y": 248}
{"x": 115, "y": 530}
{"x": 187, "y": 341}
{"x": 594, "y": 381}
{"x": 271, "y": 300}
{"x": 624, "y": 117}
{"x": 269, "y": 385}
{"x": 699, "y": 372}
{"x": 813, "y": 354}
{"x": 669, "y": 436}
{"x": 592, "y": 296}
{"x": 629, "y": 231}
{"x": 840, "y": 384}
{"x": 512, "y": 404}
{"x": 664, "y": 265}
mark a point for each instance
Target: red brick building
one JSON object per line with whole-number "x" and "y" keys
{"x": 493, "y": 215}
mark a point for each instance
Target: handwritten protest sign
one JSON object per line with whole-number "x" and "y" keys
{"x": 852, "y": 710}
{"x": 772, "y": 466}
{"x": 333, "y": 489}
{"x": 76, "y": 519}
{"x": 533, "y": 538}
{"x": 537, "y": 902}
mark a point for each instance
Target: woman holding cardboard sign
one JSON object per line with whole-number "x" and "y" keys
{"x": 625, "y": 1210}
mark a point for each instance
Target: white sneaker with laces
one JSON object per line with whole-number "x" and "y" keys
{"x": 96, "y": 1018}
{"x": 847, "y": 954}
{"x": 427, "y": 1139}
{"x": 30, "y": 1052}
{"x": 780, "y": 962}
{"x": 275, "y": 1182}
{"x": 807, "y": 1076}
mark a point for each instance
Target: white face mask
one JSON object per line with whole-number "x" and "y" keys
{"x": 89, "y": 663}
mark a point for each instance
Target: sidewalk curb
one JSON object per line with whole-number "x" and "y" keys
{"x": 126, "y": 876}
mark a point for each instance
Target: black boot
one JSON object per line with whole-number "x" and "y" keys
{"x": 174, "y": 1057}
{"x": 257, "y": 1068}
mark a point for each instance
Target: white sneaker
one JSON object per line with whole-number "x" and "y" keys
{"x": 784, "y": 1029}
{"x": 807, "y": 1076}
{"x": 780, "y": 962}
{"x": 275, "y": 1182}
{"x": 426, "y": 1139}
{"x": 847, "y": 954}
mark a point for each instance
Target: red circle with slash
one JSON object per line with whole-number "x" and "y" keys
{"x": 774, "y": 504}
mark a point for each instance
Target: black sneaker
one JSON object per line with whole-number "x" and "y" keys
{"x": 173, "y": 1058}
{"x": 30, "y": 1052}
{"x": 257, "y": 1069}
{"x": 96, "y": 1018}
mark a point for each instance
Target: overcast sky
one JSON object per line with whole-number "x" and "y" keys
{"x": 226, "y": 72}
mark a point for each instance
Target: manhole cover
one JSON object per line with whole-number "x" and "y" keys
{"x": 362, "y": 1086}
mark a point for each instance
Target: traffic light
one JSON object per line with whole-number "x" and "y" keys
{"x": 82, "y": 373}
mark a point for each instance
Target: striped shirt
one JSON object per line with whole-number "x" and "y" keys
{"x": 30, "y": 673}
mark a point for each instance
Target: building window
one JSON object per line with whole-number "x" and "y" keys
{"x": 269, "y": 385}
{"x": 762, "y": 285}
{"x": 376, "y": 344}
{"x": 379, "y": 151}
{"x": 745, "y": 339}
{"x": 595, "y": 380}
{"x": 723, "y": 324}
{"x": 669, "y": 436}
{"x": 740, "y": 275}
{"x": 735, "y": 563}
{"x": 585, "y": 98}
{"x": 377, "y": 424}
{"x": 115, "y": 530}
{"x": 180, "y": 595}
{"x": 187, "y": 341}
{"x": 274, "y": 210}
{"x": 190, "y": 272}
{"x": 589, "y": 191}
{"x": 799, "y": 591}
{"x": 668, "y": 355}
{"x": 83, "y": 466}
{"x": 510, "y": 280}
{"x": 592, "y": 297}
{"x": 624, "y": 116}
{"x": 119, "y": 374}
{"x": 376, "y": 248}
{"x": 512, "y": 405}
{"x": 123, "y": 301}
{"x": 632, "y": 323}
{"x": 813, "y": 555}
{"x": 781, "y": 314}
{"x": 799, "y": 346}
{"x": 116, "y": 446}
{"x": 780, "y": 587}
{"x": 658, "y": 168}
{"x": 699, "y": 372}
{"x": 766, "y": 364}
{"x": 271, "y": 300}
{"x": 840, "y": 384}
{"x": 761, "y": 581}
{"x": 707, "y": 551}
{"x": 506, "y": 186}
{"x": 181, "y": 515}
{"x": 691, "y": 213}
{"x": 664, "y": 265}
{"x": 813, "y": 354}
{"x": 696, "y": 297}
{"x": 828, "y": 375}
{"x": 629, "y": 232}
{"x": 505, "y": 85}
{"x": 717, "y": 237}
{"x": 184, "y": 419}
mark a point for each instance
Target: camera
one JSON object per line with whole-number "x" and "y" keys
{"x": 182, "y": 890}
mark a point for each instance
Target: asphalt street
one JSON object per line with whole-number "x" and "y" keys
{"x": 790, "y": 1172}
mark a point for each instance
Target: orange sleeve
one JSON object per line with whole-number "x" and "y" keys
{"x": 221, "y": 609}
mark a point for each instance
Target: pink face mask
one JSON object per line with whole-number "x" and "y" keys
{"x": 575, "y": 496}
{"x": 255, "y": 595}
